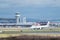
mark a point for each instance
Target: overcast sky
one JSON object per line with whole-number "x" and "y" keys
{"x": 37, "y": 9}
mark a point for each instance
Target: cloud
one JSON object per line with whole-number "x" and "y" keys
{"x": 39, "y": 3}
{"x": 32, "y": 3}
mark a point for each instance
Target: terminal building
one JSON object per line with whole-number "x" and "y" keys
{"x": 15, "y": 22}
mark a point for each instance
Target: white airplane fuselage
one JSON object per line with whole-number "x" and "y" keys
{"x": 39, "y": 26}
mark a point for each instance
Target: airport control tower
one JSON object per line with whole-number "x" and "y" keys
{"x": 17, "y": 17}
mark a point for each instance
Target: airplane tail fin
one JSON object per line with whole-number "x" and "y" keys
{"x": 48, "y": 23}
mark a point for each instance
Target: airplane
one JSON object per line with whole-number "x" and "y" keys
{"x": 40, "y": 26}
